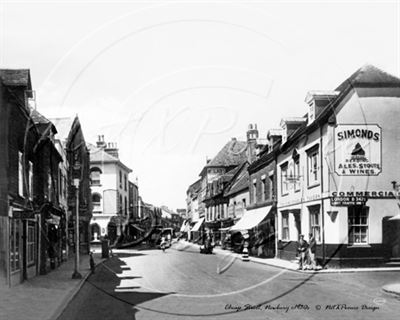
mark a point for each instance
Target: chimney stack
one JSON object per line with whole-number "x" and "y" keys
{"x": 112, "y": 149}
{"x": 100, "y": 142}
{"x": 252, "y": 136}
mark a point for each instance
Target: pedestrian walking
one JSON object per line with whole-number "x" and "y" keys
{"x": 91, "y": 262}
{"x": 302, "y": 250}
{"x": 163, "y": 244}
{"x": 311, "y": 251}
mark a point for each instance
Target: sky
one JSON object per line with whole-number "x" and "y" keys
{"x": 172, "y": 81}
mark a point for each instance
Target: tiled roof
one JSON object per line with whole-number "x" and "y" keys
{"x": 42, "y": 122}
{"x": 37, "y": 117}
{"x": 15, "y": 77}
{"x": 195, "y": 187}
{"x": 99, "y": 155}
{"x": 240, "y": 182}
{"x": 232, "y": 154}
{"x": 369, "y": 75}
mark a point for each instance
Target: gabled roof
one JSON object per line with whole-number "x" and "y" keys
{"x": 368, "y": 76}
{"x": 195, "y": 187}
{"x": 232, "y": 154}
{"x": 15, "y": 77}
{"x": 98, "y": 155}
{"x": 42, "y": 121}
{"x": 240, "y": 182}
{"x": 228, "y": 176}
{"x": 64, "y": 126}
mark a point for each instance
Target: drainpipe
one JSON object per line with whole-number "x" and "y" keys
{"x": 275, "y": 202}
{"x": 322, "y": 199}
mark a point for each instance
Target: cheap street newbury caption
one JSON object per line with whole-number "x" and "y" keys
{"x": 301, "y": 307}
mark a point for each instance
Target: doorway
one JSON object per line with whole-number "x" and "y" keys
{"x": 391, "y": 237}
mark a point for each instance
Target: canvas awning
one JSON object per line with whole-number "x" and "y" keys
{"x": 185, "y": 226}
{"x": 136, "y": 227}
{"x": 251, "y": 219}
{"x": 198, "y": 225}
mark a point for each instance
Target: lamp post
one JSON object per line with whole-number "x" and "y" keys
{"x": 76, "y": 274}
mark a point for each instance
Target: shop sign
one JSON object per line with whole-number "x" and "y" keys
{"x": 348, "y": 201}
{"x": 372, "y": 194}
{"x": 358, "y": 149}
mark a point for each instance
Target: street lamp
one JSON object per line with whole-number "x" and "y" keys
{"x": 76, "y": 274}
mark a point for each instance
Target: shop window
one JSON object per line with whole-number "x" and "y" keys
{"x": 313, "y": 166}
{"x": 14, "y": 244}
{"x": 315, "y": 223}
{"x": 30, "y": 179}
{"x": 284, "y": 174}
{"x": 49, "y": 186}
{"x": 30, "y": 245}
{"x": 271, "y": 187}
{"x": 20, "y": 174}
{"x": 95, "y": 176}
{"x": 254, "y": 191}
{"x": 263, "y": 189}
{"x": 358, "y": 225}
{"x": 285, "y": 226}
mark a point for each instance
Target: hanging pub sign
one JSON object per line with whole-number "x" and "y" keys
{"x": 358, "y": 149}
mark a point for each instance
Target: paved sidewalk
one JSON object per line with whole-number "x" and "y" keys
{"x": 285, "y": 264}
{"x": 392, "y": 288}
{"x": 44, "y": 297}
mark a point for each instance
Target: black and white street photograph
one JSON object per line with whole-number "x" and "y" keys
{"x": 199, "y": 159}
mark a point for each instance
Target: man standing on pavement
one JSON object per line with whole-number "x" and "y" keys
{"x": 302, "y": 250}
{"x": 311, "y": 251}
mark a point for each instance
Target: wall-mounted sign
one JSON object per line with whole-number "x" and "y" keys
{"x": 371, "y": 194}
{"x": 348, "y": 201}
{"x": 358, "y": 149}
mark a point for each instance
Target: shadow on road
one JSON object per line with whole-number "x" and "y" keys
{"x": 98, "y": 299}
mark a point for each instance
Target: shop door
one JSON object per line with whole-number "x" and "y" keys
{"x": 24, "y": 250}
{"x": 391, "y": 237}
{"x": 297, "y": 222}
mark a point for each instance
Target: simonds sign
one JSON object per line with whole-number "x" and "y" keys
{"x": 358, "y": 149}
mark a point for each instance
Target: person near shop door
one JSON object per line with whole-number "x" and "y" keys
{"x": 302, "y": 248}
{"x": 311, "y": 251}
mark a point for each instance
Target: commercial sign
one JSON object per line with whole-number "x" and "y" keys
{"x": 355, "y": 198}
{"x": 358, "y": 149}
{"x": 348, "y": 201}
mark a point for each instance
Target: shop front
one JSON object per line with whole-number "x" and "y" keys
{"x": 23, "y": 253}
{"x": 259, "y": 224}
{"x": 198, "y": 231}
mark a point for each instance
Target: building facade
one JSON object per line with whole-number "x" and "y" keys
{"x": 76, "y": 160}
{"x": 335, "y": 173}
{"x": 110, "y": 191}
